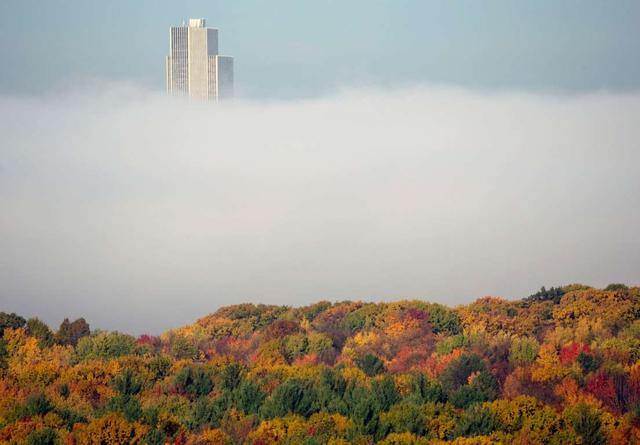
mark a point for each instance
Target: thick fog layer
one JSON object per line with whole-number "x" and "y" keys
{"x": 143, "y": 213}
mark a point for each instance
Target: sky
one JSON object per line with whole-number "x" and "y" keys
{"x": 375, "y": 150}
{"x": 293, "y": 49}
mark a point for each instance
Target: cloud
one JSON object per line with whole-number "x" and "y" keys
{"x": 141, "y": 212}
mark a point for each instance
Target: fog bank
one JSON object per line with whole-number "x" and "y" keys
{"x": 142, "y": 213}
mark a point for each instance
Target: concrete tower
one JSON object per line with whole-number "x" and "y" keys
{"x": 194, "y": 67}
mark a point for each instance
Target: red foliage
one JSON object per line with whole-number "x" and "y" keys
{"x": 307, "y": 360}
{"x": 570, "y": 353}
{"x": 237, "y": 348}
{"x": 408, "y": 358}
{"x": 280, "y": 329}
{"x": 149, "y": 340}
{"x": 417, "y": 314}
{"x": 634, "y": 385}
{"x": 612, "y": 390}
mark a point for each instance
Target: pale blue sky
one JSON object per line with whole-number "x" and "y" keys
{"x": 291, "y": 48}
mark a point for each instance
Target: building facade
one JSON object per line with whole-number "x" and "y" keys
{"x": 193, "y": 67}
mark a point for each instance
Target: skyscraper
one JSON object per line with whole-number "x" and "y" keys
{"x": 194, "y": 67}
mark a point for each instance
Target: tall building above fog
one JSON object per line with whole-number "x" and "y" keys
{"x": 194, "y": 67}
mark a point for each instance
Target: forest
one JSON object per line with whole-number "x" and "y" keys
{"x": 561, "y": 366}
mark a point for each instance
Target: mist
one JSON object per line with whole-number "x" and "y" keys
{"x": 141, "y": 212}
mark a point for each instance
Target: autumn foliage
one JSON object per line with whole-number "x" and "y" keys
{"x": 559, "y": 367}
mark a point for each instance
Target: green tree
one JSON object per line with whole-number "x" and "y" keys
{"x": 458, "y": 372}
{"x": 588, "y": 362}
{"x": 425, "y": 391}
{"x": 483, "y": 388}
{"x": 46, "y": 436}
{"x": 127, "y": 405}
{"x": 37, "y": 405}
{"x": 295, "y": 346}
{"x": 206, "y": 412}
{"x": 127, "y": 383}
{"x": 444, "y": 320}
{"x": 160, "y": 366}
{"x": 403, "y": 417}
{"x": 11, "y": 320}
{"x": 231, "y": 376}
{"x": 249, "y": 398}
{"x": 155, "y": 437}
{"x": 477, "y": 420}
{"x": 295, "y": 396}
{"x": 385, "y": 392}
{"x": 194, "y": 381}
{"x": 41, "y": 331}
{"x": 370, "y": 365}
{"x": 553, "y": 294}
{"x": 181, "y": 347}
{"x": 587, "y": 424}
{"x": 523, "y": 351}
{"x": 105, "y": 346}
{"x": 4, "y": 354}
{"x": 616, "y": 286}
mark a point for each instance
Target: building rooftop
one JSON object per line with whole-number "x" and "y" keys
{"x": 196, "y": 23}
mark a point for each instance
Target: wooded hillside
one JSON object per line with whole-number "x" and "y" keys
{"x": 560, "y": 366}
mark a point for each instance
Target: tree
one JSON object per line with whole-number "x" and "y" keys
{"x": 105, "y": 345}
{"x": 523, "y": 351}
{"x": 45, "y": 436}
{"x": 11, "y": 320}
{"x": 41, "y": 331}
{"x": 588, "y": 362}
{"x": 385, "y": 392}
{"x": 553, "y": 294}
{"x": 587, "y": 424}
{"x": 616, "y": 286}
{"x": 207, "y": 413}
{"x": 370, "y": 365}
{"x": 403, "y": 439}
{"x": 458, "y": 371}
{"x": 126, "y": 405}
{"x": 482, "y": 388}
{"x": 403, "y": 417}
{"x": 4, "y": 354}
{"x": 182, "y": 348}
{"x": 231, "y": 376}
{"x": 444, "y": 320}
{"x": 249, "y": 397}
{"x": 295, "y": 396}
{"x": 111, "y": 429}
{"x": 127, "y": 383}
{"x": 364, "y": 409}
{"x": 37, "y": 405}
{"x": 70, "y": 333}
{"x": 159, "y": 366}
{"x": 194, "y": 381}
{"x": 424, "y": 390}
{"x": 478, "y": 420}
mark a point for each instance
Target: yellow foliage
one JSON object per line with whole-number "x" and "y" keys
{"x": 547, "y": 366}
{"x": 110, "y": 430}
{"x": 403, "y": 439}
{"x": 403, "y": 383}
{"x": 511, "y": 413}
{"x": 354, "y": 374}
{"x": 275, "y": 430}
{"x": 212, "y": 437}
{"x": 30, "y": 365}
